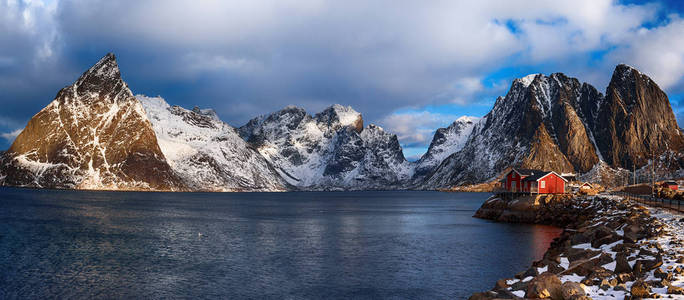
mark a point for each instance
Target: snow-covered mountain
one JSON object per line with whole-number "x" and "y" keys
{"x": 93, "y": 135}
{"x": 445, "y": 142}
{"x": 96, "y": 135}
{"x": 328, "y": 151}
{"x": 555, "y": 123}
{"x": 207, "y": 153}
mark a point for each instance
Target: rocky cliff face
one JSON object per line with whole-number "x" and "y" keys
{"x": 537, "y": 125}
{"x": 555, "y": 122}
{"x": 445, "y": 142}
{"x": 635, "y": 120}
{"x": 207, "y": 153}
{"x": 328, "y": 151}
{"x": 94, "y": 135}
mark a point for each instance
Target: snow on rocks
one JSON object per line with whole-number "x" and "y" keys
{"x": 207, "y": 153}
{"x": 619, "y": 250}
{"x": 330, "y": 150}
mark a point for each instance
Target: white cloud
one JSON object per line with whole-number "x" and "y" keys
{"x": 378, "y": 56}
{"x": 10, "y": 136}
{"x": 658, "y": 52}
{"x": 416, "y": 128}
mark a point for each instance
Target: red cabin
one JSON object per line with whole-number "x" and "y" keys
{"x": 670, "y": 185}
{"x": 534, "y": 182}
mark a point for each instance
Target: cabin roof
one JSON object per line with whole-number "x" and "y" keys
{"x": 670, "y": 183}
{"x": 528, "y": 172}
{"x": 538, "y": 176}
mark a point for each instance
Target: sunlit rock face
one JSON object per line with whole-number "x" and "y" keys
{"x": 557, "y": 123}
{"x": 93, "y": 135}
{"x": 635, "y": 121}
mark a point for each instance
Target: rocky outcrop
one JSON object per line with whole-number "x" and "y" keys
{"x": 635, "y": 120}
{"x": 94, "y": 135}
{"x": 610, "y": 247}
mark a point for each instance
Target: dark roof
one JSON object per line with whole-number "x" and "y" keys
{"x": 536, "y": 176}
{"x": 529, "y": 172}
{"x": 670, "y": 183}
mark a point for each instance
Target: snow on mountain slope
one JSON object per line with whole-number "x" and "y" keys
{"x": 94, "y": 135}
{"x": 207, "y": 153}
{"x": 537, "y": 125}
{"x": 328, "y": 151}
{"x": 445, "y": 142}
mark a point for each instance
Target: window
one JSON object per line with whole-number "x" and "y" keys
{"x": 542, "y": 184}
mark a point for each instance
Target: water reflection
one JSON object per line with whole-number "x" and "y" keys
{"x": 418, "y": 245}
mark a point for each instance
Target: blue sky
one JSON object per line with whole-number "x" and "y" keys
{"x": 408, "y": 66}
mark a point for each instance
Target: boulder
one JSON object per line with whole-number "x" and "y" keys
{"x": 546, "y": 285}
{"x": 625, "y": 277}
{"x": 640, "y": 289}
{"x": 575, "y": 254}
{"x": 675, "y": 290}
{"x": 621, "y": 264}
{"x": 572, "y": 290}
{"x": 607, "y": 284}
{"x": 658, "y": 273}
{"x": 501, "y": 284}
{"x": 579, "y": 238}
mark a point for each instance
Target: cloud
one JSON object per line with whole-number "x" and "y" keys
{"x": 416, "y": 128}
{"x": 658, "y": 52}
{"x": 10, "y": 136}
{"x": 245, "y": 58}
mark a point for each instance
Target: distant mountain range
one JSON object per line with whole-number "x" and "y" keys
{"x": 97, "y": 135}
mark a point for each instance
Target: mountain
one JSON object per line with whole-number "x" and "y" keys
{"x": 555, "y": 122}
{"x": 328, "y": 151}
{"x": 536, "y": 125}
{"x": 93, "y": 135}
{"x": 635, "y": 120}
{"x": 96, "y": 135}
{"x": 207, "y": 153}
{"x": 445, "y": 142}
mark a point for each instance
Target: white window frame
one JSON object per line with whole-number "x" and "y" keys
{"x": 542, "y": 184}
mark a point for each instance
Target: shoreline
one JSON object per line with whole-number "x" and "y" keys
{"x": 610, "y": 248}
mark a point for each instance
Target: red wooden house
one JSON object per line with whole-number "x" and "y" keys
{"x": 670, "y": 185}
{"x": 534, "y": 182}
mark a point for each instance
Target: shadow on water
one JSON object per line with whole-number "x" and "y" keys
{"x": 363, "y": 245}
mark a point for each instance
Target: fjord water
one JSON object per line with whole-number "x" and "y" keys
{"x": 360, "y": 245}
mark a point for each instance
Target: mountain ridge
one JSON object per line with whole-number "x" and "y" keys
{"x": 96, "y": 134}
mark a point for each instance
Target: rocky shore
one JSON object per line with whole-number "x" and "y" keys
{"x": 610, "y": 248}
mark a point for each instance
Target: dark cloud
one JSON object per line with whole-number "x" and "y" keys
{"x": 245, "y": 58}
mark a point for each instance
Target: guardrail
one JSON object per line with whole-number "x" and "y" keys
{"x": 673, "y": 204}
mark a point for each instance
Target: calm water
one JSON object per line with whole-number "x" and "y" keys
{"x": 361, "y": 245}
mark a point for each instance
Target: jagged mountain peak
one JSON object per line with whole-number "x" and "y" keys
{"x": 526, "y": 80}
{"x": 626, "y": 74}
{"x": 101, "y": 82}
{"x": 93, "y": 135}
{"x": 337, "y": 116}
{"x": 104, "y": 70}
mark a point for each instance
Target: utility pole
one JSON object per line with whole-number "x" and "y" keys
{"x": 634, "y": 174}
{"x": 653, "y": 163}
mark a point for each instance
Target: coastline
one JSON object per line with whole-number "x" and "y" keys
{"x": 610, "y": 248}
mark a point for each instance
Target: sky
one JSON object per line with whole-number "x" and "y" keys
{"x": 408, "y": 66}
